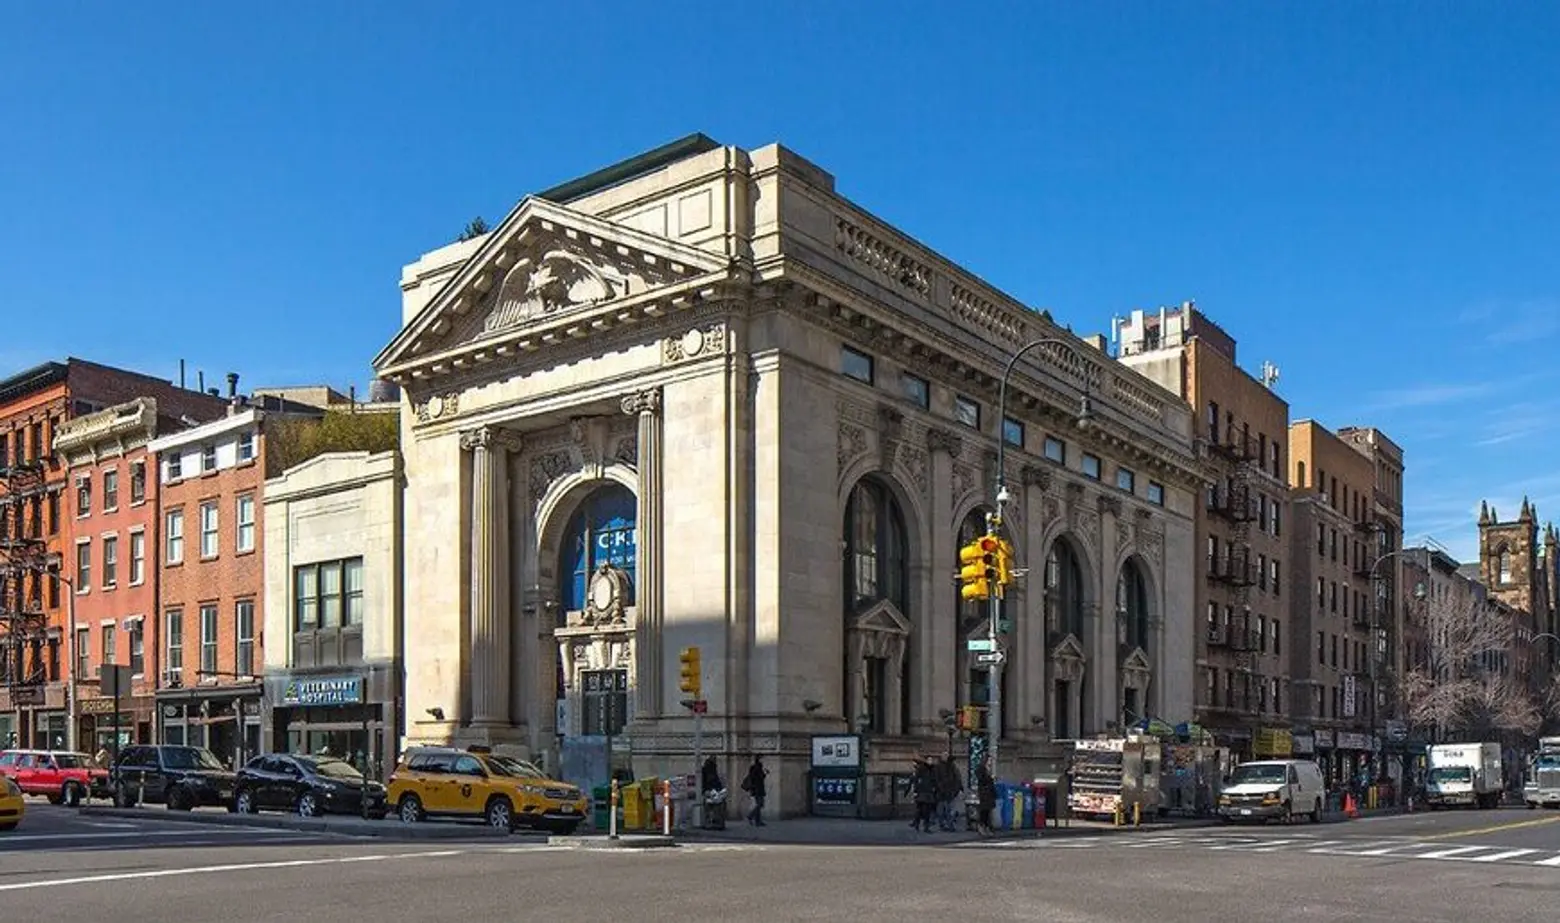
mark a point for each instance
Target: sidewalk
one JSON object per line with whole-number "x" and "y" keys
{"x": 339, "y": 825}
{"x": 830, "y": 831}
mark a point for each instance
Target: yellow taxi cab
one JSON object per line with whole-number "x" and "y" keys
{"x": 12, "y": 806}
{"x": 507, "y": 793}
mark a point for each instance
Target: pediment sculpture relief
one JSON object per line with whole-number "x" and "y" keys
{"x": 557, "y": 281}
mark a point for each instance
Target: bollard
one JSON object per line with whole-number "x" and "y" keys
{"x": 1137, "y": 814}
{"x": 666, "y": 802}
{"x": 1116, "y": 815}
{"x": 612, "y": 824}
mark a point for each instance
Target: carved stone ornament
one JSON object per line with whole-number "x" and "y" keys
{"x": 490, "y": 437}
{"x": 627, "y": 450}
{"x": 695, "y": 342}
{"x": 851, "y": 446}
{"x": 438, "y": 406}
{"x": 915, "y": 461}
{"x": 964, "y": 481}
{"x": 891, "y": 423}
{"x": 941, "y": 440}
{"x": 1109, "y": 504}
{"x": 545, "y": 469}
{"x": 604, "y": 597}
{"x": 646, "y": 401}
{"x": 1036, "y": 476}
{"x": 557, "y": 281}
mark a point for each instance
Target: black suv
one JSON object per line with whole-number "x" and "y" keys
{"x": 180, "y": 777}
{"x": 310, "y": 785}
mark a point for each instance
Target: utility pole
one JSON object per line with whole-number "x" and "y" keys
{"x": 690, "y": 681}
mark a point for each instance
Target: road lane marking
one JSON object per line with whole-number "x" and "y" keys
{"x": 1496, "y": 828}
{"x": 1555, "y": 862}
{"x": 41, "y": 837}
{"x": 1450, "y": 852}
{"x": 112, "y": 826}
{"x": 1501, "y": 856}
{"x": 213, "y": 869}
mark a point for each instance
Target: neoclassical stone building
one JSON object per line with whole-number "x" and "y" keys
{"x": 700, "y": 398}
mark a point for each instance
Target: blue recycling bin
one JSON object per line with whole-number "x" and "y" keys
{"x": 1004, "y": 818}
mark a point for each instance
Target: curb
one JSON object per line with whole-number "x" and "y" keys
{"x": 860, "y": 838}
{"x": 629, "y": 841}
{"x": 340, "y": 827}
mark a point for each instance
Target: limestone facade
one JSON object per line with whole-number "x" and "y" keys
{"x": 619, "y": 410}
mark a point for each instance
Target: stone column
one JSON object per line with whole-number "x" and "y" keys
{"x": 490, "y": 573}
{"x": 940, "y": 643}
{"x": 649, "y": 682}
{"x": 1036, "y": 694}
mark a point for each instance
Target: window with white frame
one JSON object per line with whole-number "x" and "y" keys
{"x": 137, "y": 558}
{"x": 110, "y": 490}
{"x": 110, "y": 651}
{"x": 175, "y": 465}
{"x": 208, "y": 458}
{"x": 173, "y": 634}
{"x": 137, "y": 482}
{"x": 328, "y": 595}
{"x": 173, "y": 531}
{"x": 245, "y": 522}
{"x": 83, "y": 652}
{"x": 138, "y": 646}
{"x": 244, "y": 633}
{"x": 208, "y": 638}
{"x": 246, "y": 447}
{"x": 83, "y": 565}
{"x": 208, "y": 529}
{"x": 83, "y": 496}
{"x": 110, "y": 561}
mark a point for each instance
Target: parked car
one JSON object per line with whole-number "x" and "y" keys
{"x": 62, "y": 777}
{"x": 1274, "y": 790}
{"x": 178, "y": 776}
{"x": 13, "y": 807}
{"x": 310, "y": 785}
{"x": 504, "y": 792}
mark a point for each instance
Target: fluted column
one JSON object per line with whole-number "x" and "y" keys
{"x": 939, "y": 646}
{"x": 649, "y": 688}
{"x": 490, "y": 576}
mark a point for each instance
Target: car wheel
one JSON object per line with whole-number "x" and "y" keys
{"x": 308, "y": 805}
{"x": 1316, "y": 811}
{"x": 71, "y": 795}
{"x": 410, "y": 809}
{"x": 10, "y": 826}
{"x": 179, "y": 799}
{"x": 1288, "y": 816}
{"x": 245, "y": 803}
{"x": 123, "y": 796}
{"x": 500, "y": 814}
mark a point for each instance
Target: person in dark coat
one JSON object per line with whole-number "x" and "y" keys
{"x": 709, "y": 782}
{"x": 753, "y": 784}
{"x": 949, "y": 788}
{"x": 986, "y": 790}
{"x": 923, "y": 786}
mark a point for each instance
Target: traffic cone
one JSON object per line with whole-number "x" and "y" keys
{"x": 1350, "y": 809}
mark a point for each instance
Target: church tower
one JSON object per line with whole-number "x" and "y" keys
{"x": 1509, "y": 560}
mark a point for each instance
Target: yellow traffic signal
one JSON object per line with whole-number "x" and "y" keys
{"x": 980, "y": 571}
{"x": 1004, "y": 563}
{"x": 690, "y": 679}
{"x": 969, "y": 718}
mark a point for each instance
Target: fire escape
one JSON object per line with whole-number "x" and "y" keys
{"x": 1235, "y": 503}
{"x": 24, "y": 636}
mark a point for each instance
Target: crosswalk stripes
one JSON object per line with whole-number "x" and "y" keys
{"x": 1402, "y": 848}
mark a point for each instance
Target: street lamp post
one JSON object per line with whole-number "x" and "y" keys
{"x": 994, "y": 675}
{"x": 1375, "y": 655}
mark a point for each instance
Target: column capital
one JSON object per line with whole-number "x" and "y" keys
{"x": 490, "y": 437}
{"x": 647, "y": 401}
{"x": 941, "y": 440}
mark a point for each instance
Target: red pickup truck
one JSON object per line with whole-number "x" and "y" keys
{"x": 63, "y": 778}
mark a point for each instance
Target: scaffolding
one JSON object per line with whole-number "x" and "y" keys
{"x": 25, "y": 645}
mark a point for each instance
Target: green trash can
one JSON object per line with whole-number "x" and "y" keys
{"x": 601, "y": 803}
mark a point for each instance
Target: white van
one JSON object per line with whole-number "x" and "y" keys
{"x": 1269, "y": 789}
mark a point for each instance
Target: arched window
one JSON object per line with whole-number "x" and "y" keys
{"x": 603, "y": 531}
{"x": 876, "y": 551}
{"x": 1132, "y": 606}
{"x": 1505, "y": 565}
{"x": 1063, "y": 590}
{"x": 1301, "y": 468}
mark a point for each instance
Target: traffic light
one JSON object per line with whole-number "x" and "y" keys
{"x": 979, "y": 573}
{"x": 969, "y": 718}
{"x": 691, "y": 678}
{"x": 1004, "y": 563}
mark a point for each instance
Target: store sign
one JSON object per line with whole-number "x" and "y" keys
{"x": 834, "y": 791}
{"x": 325, "y": 690}
{"x": 1324, "y": 739}
{"x": 1350, "y": 697}
{"x": 836, "y": 752}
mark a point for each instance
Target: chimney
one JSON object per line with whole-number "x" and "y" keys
{"x": 200, "y": 381}
{"x": 182, "y": 385}
{"x": 352, "y": 398}
{"x": 232, "y": 380}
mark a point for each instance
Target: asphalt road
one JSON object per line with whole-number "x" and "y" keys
{"x": 1452, "y": 866}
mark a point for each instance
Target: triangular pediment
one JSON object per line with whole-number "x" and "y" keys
{"x": 1137, "y": 661}
{"x": 1069, "y": 648}
{"x": 542, "y": 263}
{"x": 882, "y": 616}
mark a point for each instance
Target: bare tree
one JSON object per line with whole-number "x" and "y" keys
{"x": 1464, "y": 683}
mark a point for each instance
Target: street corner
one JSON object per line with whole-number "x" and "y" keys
{"x": 606, "y": 842}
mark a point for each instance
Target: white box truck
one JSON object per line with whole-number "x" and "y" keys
{"x": 1464, "y": 774}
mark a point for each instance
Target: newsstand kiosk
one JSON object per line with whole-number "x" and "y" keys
{"x": 835, "y": 780}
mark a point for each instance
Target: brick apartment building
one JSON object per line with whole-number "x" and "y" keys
{"x": 1243, "y": 588}
{"x": 36, "y": 529}
{"x": 212, "y": 577}
{"x": 111, "y": 501}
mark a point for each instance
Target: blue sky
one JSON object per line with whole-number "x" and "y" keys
{"x": 1363, "y": 194}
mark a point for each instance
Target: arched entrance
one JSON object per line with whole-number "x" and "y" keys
{"x": 1065, "y": 600}
{"x": 876, "y": 606}
{"x": 1133, "y": 642}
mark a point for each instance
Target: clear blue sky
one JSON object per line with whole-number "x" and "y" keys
{"x": 1364, "y": 194}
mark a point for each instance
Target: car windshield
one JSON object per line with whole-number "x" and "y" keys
{"x": 71, "y": 760}
{"x": 190, "y": 758}
{"x": 1258, "y": 774}
{"x": 333, "y": 769}
{"x": 1451, "y": 774}
{"x": 520, "y": 768}
{"x": 1547, "y": 761}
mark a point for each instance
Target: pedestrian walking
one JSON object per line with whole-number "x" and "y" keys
{"x": 923, "y": 787}
{"x": 753, "y": 783}
{"x": 986, "y": 791}
{"x": 949, "y": 788}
